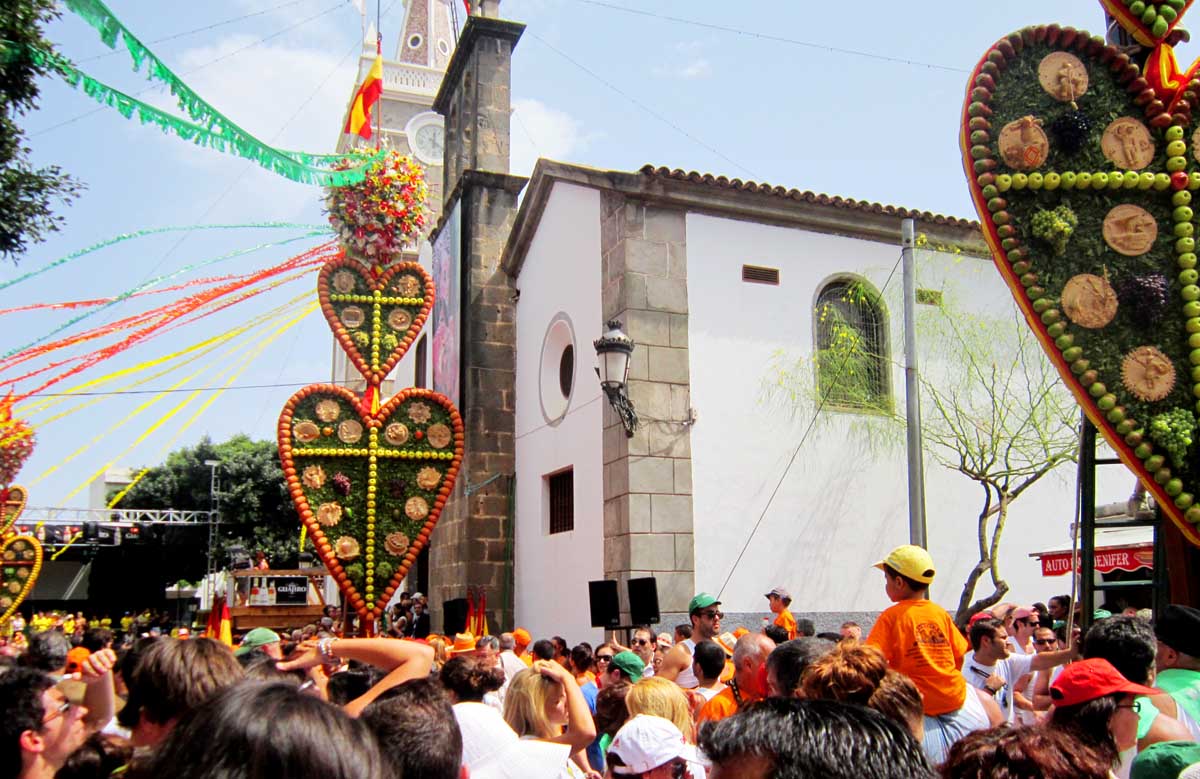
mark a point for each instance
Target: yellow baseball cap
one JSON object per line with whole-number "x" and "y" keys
{"x": 911, "y": 561}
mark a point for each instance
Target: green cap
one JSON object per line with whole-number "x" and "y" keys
{"x": 256, "y": 638}
{"x": 1165, "y": 759}
{"x": 702, "y": 601}
{"x": 630, "y": 664}
{"x": 1099, "y": 614}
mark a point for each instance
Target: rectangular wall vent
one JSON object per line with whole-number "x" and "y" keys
{"x": 757, "y": 274}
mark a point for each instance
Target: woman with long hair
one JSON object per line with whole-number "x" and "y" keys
{"x": 544, "y": 702}
{"x": 1095, "y": 704}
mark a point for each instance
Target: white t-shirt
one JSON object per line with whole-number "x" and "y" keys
{"x": 710, "y": 692}
{"x": 1010, "y": 670}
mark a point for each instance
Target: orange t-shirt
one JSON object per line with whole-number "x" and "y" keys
{"x": 722, "y": 705}
{"x": 786, "y": 621}
{"x": 919, "y": 639}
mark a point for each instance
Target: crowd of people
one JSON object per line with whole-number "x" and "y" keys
{"x": 1014, "y": 694}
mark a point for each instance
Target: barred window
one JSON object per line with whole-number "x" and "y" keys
{"x": 852, "y": 347}
{"x": 562, "y": 501}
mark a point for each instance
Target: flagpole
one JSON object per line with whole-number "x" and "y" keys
{"x": 378, "y": 53}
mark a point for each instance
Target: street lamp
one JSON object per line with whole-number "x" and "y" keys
{"x": 613, "y": 350}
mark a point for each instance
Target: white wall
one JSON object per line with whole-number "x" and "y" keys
{"x": 840, "y": 507}
{"x": 561, "y": 275}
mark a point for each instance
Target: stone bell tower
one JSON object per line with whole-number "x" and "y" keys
{"x": 473, "y": 543}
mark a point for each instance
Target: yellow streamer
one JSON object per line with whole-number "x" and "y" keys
{"x": 146, "y": 405}
{"x": 242, "y": 367}
{"x": 112, "y": 504}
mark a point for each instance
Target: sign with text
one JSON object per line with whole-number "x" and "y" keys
{"x": 289, "y": 590}
{"x": 1107, "y": 560}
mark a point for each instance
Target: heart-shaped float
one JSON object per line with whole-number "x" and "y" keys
{"x": 1083, "y": 177}
{"x": 12, "y": 503}
{"x": 1149, "y": 22}
{"x": 20, "y": 564}
{"x": 369, "y": 487}
{"x": 374, "y": 316}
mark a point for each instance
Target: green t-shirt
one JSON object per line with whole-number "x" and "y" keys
{"x": 1184, "y": 687}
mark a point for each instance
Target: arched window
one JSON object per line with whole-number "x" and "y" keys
{"x": 852, "y": 357}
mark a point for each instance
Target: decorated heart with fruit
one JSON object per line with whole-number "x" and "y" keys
{"x": 369, "y": 487}
{"x": 12, "y": 503}
{"x": 1083, "y": 173}
{"x": 1149, "y": 22}
{"x": 20, "y": 564}
{"x": 375, "y": 314}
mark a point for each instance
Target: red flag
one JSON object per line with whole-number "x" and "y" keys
{"x": 359, "y": 119}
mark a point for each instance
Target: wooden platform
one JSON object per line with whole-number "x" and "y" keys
{"x": 274, "y": 617}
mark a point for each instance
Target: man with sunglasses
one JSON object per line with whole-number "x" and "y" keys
{"x": 40, "y": 727}
{"x": 996, "y": 669}
{"x": 705, "y": 614}
{"x": 1020, "y": 637}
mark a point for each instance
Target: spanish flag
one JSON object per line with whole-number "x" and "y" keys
{"x": 359, "y": 120}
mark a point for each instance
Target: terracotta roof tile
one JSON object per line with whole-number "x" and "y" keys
{"x": 721, "y": 182}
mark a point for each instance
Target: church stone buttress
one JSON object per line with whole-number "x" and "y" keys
{"x": 473, "y": 542}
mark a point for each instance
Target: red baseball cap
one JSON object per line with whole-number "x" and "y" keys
{"x": 1087, "y": 680}
{"x": 978, "y": 616}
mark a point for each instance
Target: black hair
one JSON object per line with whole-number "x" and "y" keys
{"x": 684, "y": 630}
{"x": 1064, "y": 600}
{"x": 807, "y": 739}
{"x": 97, "y": 758}
{"x": 1088, "y": 722}
{"x": 788, "y": 661}
{"x": 710, "y": 657}
{"x": 560, "y": 645}
{"x": 344, "y": 686}
{"x": 263, "y": 669}
{"x": 261, "y": 730}
{"x": 1023, "y": 753}
{"x": 469, "y": 679}
{"x": 173, "y": 677}
{"x": 830, "y": 636}
{"x": 95, "y": 639}
{"x": 981, "y": 629}
{"x": 417, "y": 731}
{"x": 611, "y": 711}
{"x": 913, "y": 584}
{"x": 581, "y": 658}
{"x": 47, "y": 651}
{"x": 21, "y": 689}
{"x": 1126, "y": 642}
{"x": 805, "y": 627}
{"x": 776, "y": 633}
{"x": 543, "y": 649}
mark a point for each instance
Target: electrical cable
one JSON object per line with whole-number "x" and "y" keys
{"x": 796, "y": 452}
{"x": 775, "y": 38}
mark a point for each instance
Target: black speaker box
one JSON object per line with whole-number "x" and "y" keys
{"x": 454, "y": 616}
{"x": 643, "y": 601}
{"x": 604, "y": 603}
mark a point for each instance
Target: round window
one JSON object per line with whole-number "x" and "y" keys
{"x": 443, "y": 47}
{"x": 415, "y": 41}
{"x": 566, "y": 370}
{"x": 556, "y": 369}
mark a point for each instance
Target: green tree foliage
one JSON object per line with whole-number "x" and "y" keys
{"x": 27, "y": 194}
{"x": 256, "y": 510}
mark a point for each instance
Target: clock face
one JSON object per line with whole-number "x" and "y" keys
{"x": 429, "y": 143}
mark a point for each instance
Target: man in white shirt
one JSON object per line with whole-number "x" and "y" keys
{"x": 509, "y": 661}
{"x": 994, "y": 667}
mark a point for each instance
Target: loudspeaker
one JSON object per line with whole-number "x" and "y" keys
{"x": 604, "y": 603}
{"x": 454, "y": 616}
{"x": 643, "y": 601}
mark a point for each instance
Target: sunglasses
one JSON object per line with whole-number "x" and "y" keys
{"x": 641, "y": 642}
{"x": 1046, "y": 641}
{"x": 57, "y": 711}
{"x": 1135, "y": 705}
{"x": 604, "y": 658}
{"x": 712, "y": 614}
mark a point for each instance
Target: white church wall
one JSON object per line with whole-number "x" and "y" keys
{"x": 560, "y": 297}
{"x": 841, "y": 507}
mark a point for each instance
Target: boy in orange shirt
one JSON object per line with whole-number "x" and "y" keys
{"x": 920, "y": 639}
{"x": 779, "y": 600}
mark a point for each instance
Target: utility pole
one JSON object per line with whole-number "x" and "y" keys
{"x": 214, "y": 526}
{"x": 916, "y": 464}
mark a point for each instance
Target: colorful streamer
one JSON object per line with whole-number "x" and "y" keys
{"x": 237, "y": 370}
{"x": 209, "y": 127}
{"x": 315, "y": 229}
{"x": 225, "y": 358}
{"x": 146, "y": 285}
{"x": 156, "y": 318}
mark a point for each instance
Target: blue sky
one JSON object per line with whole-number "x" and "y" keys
{"x": 861, "y": 100}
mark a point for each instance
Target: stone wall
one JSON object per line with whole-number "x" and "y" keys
{"x": 648, "y": 478}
